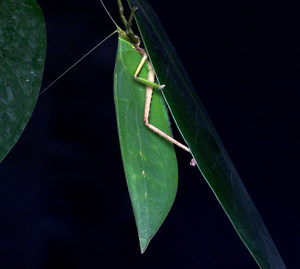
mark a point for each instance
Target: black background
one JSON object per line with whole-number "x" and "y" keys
{"x": 64, "y": 200}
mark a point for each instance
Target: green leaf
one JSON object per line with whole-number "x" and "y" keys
{"x": 199, "y": 133}
{"x": 149, "y": 161}
{"x": 22, "y": 56}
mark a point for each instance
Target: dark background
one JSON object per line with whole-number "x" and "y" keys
{"x": 64, "y": 200}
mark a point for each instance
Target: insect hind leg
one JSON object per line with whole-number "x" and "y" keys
{"x": 149, "y": 92}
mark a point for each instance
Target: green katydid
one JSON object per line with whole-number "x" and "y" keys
{"x": 149, "y": 161}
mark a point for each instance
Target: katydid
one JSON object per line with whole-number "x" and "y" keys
{"x": 149, "y": 161}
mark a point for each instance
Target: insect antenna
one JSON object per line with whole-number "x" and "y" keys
{"x": 109, "y": 14}
{"x": 60, "y": 76}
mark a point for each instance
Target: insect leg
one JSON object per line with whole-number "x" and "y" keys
{"x": 135, "y": 39}
{"x": 149, "y": 83}
{"x": 139, "y": 68}
{"x": 149, "y": 91}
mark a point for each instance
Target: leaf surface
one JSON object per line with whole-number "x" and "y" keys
{"x": 22, "y": 56}
{"x": 206, "y": 147}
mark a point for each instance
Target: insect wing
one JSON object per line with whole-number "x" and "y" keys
{"x": 149, "y": 161}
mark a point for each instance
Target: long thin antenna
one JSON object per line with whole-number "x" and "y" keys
{"x": 109, "y": 14}
{"x": 77, "y": 62}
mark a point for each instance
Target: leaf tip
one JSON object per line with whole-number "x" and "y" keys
{"x": 144, "y": 244}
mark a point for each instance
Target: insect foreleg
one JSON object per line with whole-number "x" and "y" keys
{"x": 134, "y": 39}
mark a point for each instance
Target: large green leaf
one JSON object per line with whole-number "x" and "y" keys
{"x": 22, "y": 56}
{"x": 149, "y": 161}
{"x": 199, "y": 133}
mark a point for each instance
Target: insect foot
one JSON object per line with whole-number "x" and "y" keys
{"x": 162, "y": 86}
{"x": 193, "y": 162}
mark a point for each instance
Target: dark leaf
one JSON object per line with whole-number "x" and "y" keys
{"x": 22, "y": 56}
{"x": 199, "y": 133}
